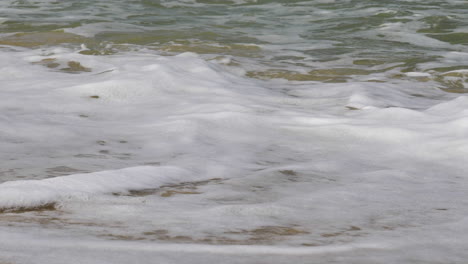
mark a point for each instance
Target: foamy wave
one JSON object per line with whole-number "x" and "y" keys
{"x": 34, "y": 193}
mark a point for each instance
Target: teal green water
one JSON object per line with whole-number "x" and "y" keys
{"x": 325, "y": 40}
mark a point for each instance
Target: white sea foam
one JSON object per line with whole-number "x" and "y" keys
{"x": 364, "y": 163}
{"x": 35, "y": 193}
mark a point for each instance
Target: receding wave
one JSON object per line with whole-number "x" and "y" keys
{"x": 37, "y": 193}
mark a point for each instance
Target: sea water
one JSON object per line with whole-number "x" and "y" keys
{"x": 233, "y": 131}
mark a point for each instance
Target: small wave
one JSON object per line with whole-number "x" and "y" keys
{"x": 39, "y": 193}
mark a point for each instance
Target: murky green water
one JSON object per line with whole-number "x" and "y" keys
{"x": 268, "y": 39}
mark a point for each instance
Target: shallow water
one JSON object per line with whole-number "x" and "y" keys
{"x": 233, "y": 131}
